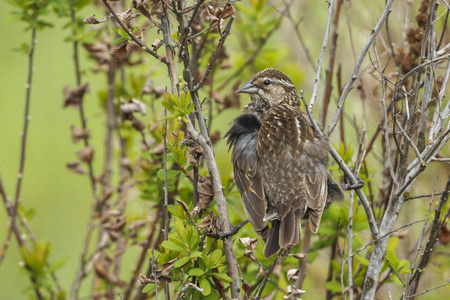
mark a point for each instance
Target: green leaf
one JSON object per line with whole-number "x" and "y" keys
{"x": 364, "y": 261}
{"x": 333, "y": 286}
{"x": 404, "y": 266}
{"x": 205, "y": 285}
{"x": 181, "y": 262}
{"x": 197, "y": 272}
{"x": 120, "y": 40}
{"x": 195, "y": 254}
{"x": 169, "y": 245}
{"x": 171, "y": 174}
{"x": 213, "y": 259}
{"x": 148, "y": 288}
{"x": 223, "y": 276}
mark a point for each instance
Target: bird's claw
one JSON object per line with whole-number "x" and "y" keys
{"x": 233, "y": 231}
{"x": 348, "y": 186}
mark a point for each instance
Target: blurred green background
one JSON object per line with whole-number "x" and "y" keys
{"x": 62, "y": 200}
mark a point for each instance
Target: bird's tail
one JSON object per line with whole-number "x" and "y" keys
{"x": 284, "y": 233}
{"x": 272, "y": 245}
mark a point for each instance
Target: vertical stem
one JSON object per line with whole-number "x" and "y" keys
{"x": 165, "y": 28}
{"x": 331, "y": 58}
{"x": 27, "y": 118}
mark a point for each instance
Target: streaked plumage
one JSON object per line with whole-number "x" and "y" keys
{"x": 280, "y": 163}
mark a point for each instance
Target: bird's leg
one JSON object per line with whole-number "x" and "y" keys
{"x": 347, "y": 186}
{"x": 233, "y": 231}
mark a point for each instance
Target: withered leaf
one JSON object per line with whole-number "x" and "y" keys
{"x": 292, "y": 290}
{"x": 99, "y": 51}
{"x": 120, "y": 51}
{"x": 101, "y": 269}
{"x": 78, "y": 134}
{"x": 137, "y": 124}
{"x": 86, "y": 154}
{"x": 214, "y": 137}
{"x": 167, "y": 267}
{"x": 292, "y": 274}
{"x": 93, "y": 20}
{"x": 299, "y": 255}
{"x": 156, "y": 44}
{"x": 74, "y": 97}
{"x": 141, "y": 7}
{"x": 126, "y": 15}
{"x": 132, "y": 106}
{"x": 228, "y": 12}
{"x": 204, "y": 223}
{"x": 444, "y": 235}
{"x": 249, "y": 243}
{"x": 261, "y": 272}
{"x": 205, "y": 193}
{"x": 159, "y": 150}
{"x": 76, "y": 168}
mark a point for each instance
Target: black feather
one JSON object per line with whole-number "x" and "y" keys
{"x": 243, "y": 125}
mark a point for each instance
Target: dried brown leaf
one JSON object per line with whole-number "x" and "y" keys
{"x": 99, "y": 51}
{"x": 138, "y": 124}
{"x": 444, "y": 235}
{"x": 292, "y": 274}
{"x": 261, "y": 272}
{"x": 93, "y": 20}
{"x": 156, "y": 44}
{"x": 205, "y": 193}
{"x": 78, "y": 134}
{"x": 76, "y": 168}
{"x": 228, "y": 12}
{"x": 299, "y": 255}
{"x": 120, "y": 51}
{"x": 126, "y": 15}
{"x": 141, "y": 7}
{"x": 86, "y": 154}
{"x": 132, "y": 106}
{"x": 74, "y": 97}
{"x": 249, "y": 243}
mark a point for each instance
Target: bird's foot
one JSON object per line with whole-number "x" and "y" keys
{"x": 347, "y": 186}
{"x": 233, "y": 231}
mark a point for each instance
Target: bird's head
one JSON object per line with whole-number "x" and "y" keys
{"x": 269, "y": 88}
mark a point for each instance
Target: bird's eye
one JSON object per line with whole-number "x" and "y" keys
{"x": 267, "y": 82}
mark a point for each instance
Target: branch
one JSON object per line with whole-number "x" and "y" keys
{"x": 132, "y": 36}
{"x": 223, "y": 38}
{"x": 358, "y": 64}
{"x": 350, "y": 176}
{"x": 322, "y": 54}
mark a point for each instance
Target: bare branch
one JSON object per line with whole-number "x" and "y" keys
{"x": 358, "y": 64}
{"x": 322, "y": 54}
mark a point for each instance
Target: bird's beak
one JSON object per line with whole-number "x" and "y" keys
{"x": 248, "y": 88}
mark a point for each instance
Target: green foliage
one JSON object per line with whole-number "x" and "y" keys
{"x": 31, "y": 12}
{"x": 124, "y": 36}
{"x": 192, "y": 256}
{"x": 180, "y": 106}
{"x": 37, "y": 265}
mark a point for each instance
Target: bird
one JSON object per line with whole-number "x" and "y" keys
{"x": 279, "y": 162}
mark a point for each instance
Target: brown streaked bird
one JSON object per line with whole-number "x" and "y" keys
{"x": 280, "y": 162}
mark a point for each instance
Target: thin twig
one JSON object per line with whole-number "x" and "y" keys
{"x": 358, "y": 64}
{"x": 322, "y": 55}
{"x": 430, "y": 289}
{"x": 331, "y": 59}
{"x": 132, "y": 36}
{"x": 350, "y": 176}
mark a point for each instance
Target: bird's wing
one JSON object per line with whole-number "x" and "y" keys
{"x": 315, "y": 184}
{"x": 248, "y": 172}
